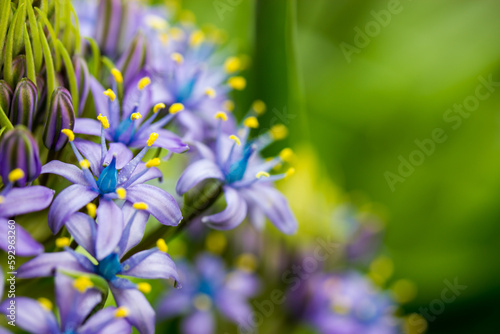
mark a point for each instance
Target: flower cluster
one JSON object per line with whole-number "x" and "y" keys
{"x": 98, "y": 99}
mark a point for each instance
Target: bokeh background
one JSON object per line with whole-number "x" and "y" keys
{"x": 356, "y": 116}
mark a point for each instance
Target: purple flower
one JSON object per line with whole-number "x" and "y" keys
{"x": 346, "y": 303}
{"x": 247, "y": 183}
{"x": 109, "y": 174}
{"x": 75, "y": 300}
{"x": 183, "y": 70}
{"x": 19, "y": 201}
{"x": 209, "y": 288}
{"x": 132, "y": 123}
{"x": 18, "y": 149}
{"x": 101, "y": 242}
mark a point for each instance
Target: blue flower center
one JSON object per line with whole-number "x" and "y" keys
{"x": 238, "y": 168}
{"x": 185, "y": 92}
{"x": 125, "y": 131}
{"x": 109, "y": 267}
{"x": 108, "y": 180}
{"x": 206, "y": 288}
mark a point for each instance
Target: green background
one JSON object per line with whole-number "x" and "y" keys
{"x": 362, "y": 115}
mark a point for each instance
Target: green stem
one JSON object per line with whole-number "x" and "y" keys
{"x": 196, "y": 202}
{"x": 4, "y": 120}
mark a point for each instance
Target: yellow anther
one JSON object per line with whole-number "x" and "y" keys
{"x": 121, "y": 312}
{"x": 177, "y": 57}
{"x": 175, "y": 108}
{"x": 85, "y": 164}
{"x": 82, "y": 284}
{"x": 140, "y": 206}
{"x": 238, "y": 82}
{"x": 155, "y": 162}
{"x": 381, "y": 268}
{"x": 163, "y": 38}
{"x": 232, "y": 64}
{"x": 46, "y": 304}
{"x": 202, "y": 302}
{"x": 176, "y": 33}
{"x": 16, "y": 175}
{"x": 143, "y": 83}
{"x": 158, "y": 107}
{"x": 221, "y": 115}
{"x": 144, "y": 287}
{"x": 251, "y": 122}
{"x": 247, "y": 262}
{"x": 91, "y": 209}
{"x": 259, "y": 107}
{"x": 104, "y": 121}
{"x": 235, "y": 139}
{"x": 162, "y": 245}
{"x": 156, "y": 22}
{"x": 117, "y": 75}
{"x": 279, "y": 132}
{"x": 289, "y": 172}
{"x": 2, "y": 199}
{"x": 135, "y": 116}
{"x": 228, "y": 105}
{"x": 196, "y": 38}
{"x": 69, "y": 134}
{"x": 63, "y": 242}
{"x": 121, "y": 192}
{"x": 287, "y": 155}
{"x": 216, "y": 242}
{"x": 109, "y": 93}
{"x": 152, "y": 139}
{"x": 210, "y": 92}
{"x": 404, "y": 290}
{"x": 262, "y": 174}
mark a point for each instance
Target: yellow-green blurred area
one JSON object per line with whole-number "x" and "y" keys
{"x": 363, "y": 113}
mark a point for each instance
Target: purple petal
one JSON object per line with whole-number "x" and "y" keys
{"x": 197, "y": 172}
{"x": 24, "y": 243}
{"x": 122, "y": 152}
{"x": 173, "y": 304}
{"x": 211, "y": 268}
{"x": 166, "y": 140}
{"x": 199, "y": 323}
{"x": 243, "y": 284}
{"x": 151, "y": 264}
{"x": 233, "y": 307}
{"x": 87, "y": 126}
{"x": 31, "y": 316}
{"x": 274, "y": 205}
{"x": 141, "y": 314}
{"x": 92, "y": 152}
{"x": 150, "y": 174}
{"x": 160, "y": 203}
{"x": 69, "y": 201}
{"x": 109, "y": 228}
{"x": 73, "y": 305}
{"x": 100, "y": 100}
{"x": 19, "y": 201}
{"x": 68, "y": 171}
{"x": 134, "y": 231}
{"x": 45, "y": 265}
{"x": 83, "y": 228}
{"x": 105, "y": 322}
{"x": 234, "y": 213}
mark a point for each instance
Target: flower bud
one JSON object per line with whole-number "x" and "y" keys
{"x": 60, "y": 115}
{"x": 18, "y": 149}
{"x": 134, "y": 59}
{"x": 109, "y": 26}
{"x": 5, "y": 96}
{"x": 23, "y": 105}
{"x": 82, "y": 80}
{"x": 18, "y": 68}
